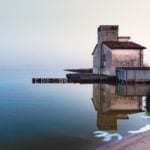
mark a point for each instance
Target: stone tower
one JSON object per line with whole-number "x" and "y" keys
{"x": 107, "y": 33}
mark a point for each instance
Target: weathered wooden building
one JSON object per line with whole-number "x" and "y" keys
{"x": 133, "y": 74}
{"x": 113, "y": 51}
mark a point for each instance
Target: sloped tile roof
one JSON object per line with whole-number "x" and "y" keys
{"x": 123, "y": 45}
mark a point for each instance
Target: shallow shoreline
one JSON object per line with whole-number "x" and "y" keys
{"x": 134, "y": 142}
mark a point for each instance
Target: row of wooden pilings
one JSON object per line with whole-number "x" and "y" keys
{"x": 49, "y": 80}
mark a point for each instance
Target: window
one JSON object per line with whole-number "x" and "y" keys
{"x": 103, "y": 60}
{"x": 104, "y": 57}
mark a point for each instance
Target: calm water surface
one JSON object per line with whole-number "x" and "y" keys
{"x": 65, "y": 116}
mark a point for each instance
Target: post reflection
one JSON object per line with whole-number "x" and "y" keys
{"x": 117, "y": 102}
{"x": 147, "y": 106}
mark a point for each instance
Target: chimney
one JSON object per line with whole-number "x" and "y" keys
{"x": 108, "y": 33}
{"x": 123, "y": 38}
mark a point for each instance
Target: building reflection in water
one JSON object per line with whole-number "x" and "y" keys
{"x": 116, "y": 102}
{"x": 147, "y": 106}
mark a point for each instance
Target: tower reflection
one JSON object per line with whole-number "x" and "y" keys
{"x": 117, "y": 102}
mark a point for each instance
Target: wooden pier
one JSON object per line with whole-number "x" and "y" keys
{"x": 77, "y": 78}
{"x": 49, "y": 80}
{"x": 64, "y": 80}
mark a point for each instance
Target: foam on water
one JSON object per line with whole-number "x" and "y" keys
{"x": 107, "y": 136}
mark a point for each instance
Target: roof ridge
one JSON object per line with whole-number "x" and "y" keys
{"x": 123, "y": 45}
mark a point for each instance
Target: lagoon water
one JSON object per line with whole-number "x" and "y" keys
{"x": 66, "y": 116}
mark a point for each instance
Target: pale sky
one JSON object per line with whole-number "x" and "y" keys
{"x": 58, "y": 34}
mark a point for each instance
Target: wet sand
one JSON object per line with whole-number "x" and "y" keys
{"x": 134, "y": 142}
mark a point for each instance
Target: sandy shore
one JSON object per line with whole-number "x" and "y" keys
{"x": 135, "y": 142}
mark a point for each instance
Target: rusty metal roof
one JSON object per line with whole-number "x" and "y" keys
{"x": 123, "y": 45}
